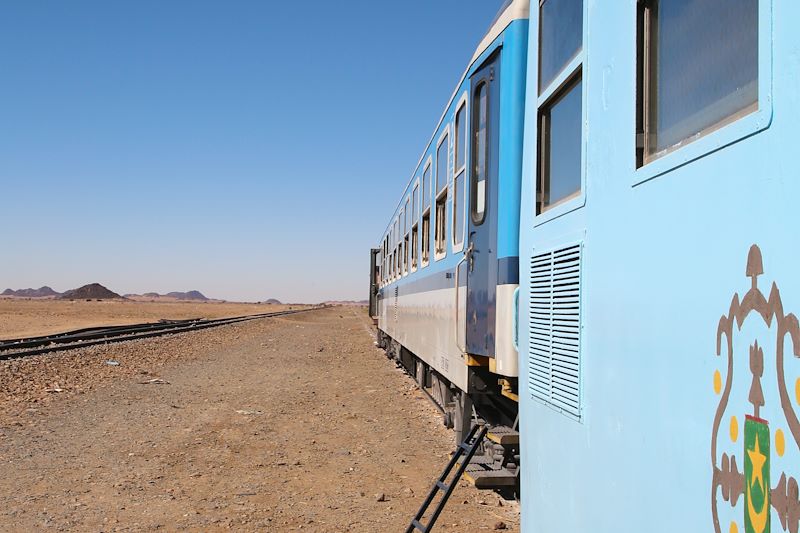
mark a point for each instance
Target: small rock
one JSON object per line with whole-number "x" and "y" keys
{"x": 380, "y": 497}
{"x": 500, "y": 525}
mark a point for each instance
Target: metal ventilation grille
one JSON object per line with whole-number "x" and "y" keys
{"x": 555, "y": 328}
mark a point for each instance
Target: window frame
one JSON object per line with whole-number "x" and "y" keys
{"x": 425, "y": 167}
{"x": 462, "y": 102}
{"x": 723, "y": 135}
{"x": 414, "y": 263}
{"x": 443, "y": 137}
{"x": 473, "y": 183}
{"x": 402, "y": 240}
{"x": 442, "y": 195}
{"x": 575, "y": 69}
{"x": 396, "y": 246}
{"x": 414, "y": 250}
{"x": 425, "y": 259}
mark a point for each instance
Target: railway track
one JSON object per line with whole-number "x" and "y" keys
{"x": 81, "y": 338}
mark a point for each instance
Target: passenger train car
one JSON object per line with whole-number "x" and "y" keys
{"x": 658, "y": 370}
{"x": 447, "y": 264}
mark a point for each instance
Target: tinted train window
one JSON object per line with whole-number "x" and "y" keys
{"x": 426, "y": 237}
{"x": 405, "y": 254}
{"x": 461, "y": 138}
{"x": 461, "y": 170}
{"x": 426, "y": 187}
{"x": 458, "y": 210}
{"x": 560, "y": 37}
{"x": 414, "y": 247}
{"x": 480, "y": 112}
{"x": 441, "y": 227}
{"x": 415, "y": 204}
{"x": 559, "y": 172}
{"x": 560, "y": 153}
{"x": 441, "y": 163}
{"x": 698, "y": 69}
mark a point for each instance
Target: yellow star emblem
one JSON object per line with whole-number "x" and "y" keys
{"x": 758, "y": 459}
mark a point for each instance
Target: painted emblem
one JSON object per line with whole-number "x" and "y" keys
{"x": 767, "y": 408}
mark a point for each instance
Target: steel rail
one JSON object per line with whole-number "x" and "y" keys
{"x": 17, "y": 348}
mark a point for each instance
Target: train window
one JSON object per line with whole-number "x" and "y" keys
{"x": 399, "y": 261}
{"x": 461, "y": 138}
{"x": 414, "y": 248}
{"x": 405, "y": 254}
{"x": 560, "y": 147}
{"x": 442, "y": 150}
{"x": 426, "y": 237}
{"x": 458, "y": 211}
{"x": 480, "y": 118}
{"x": 560, "y": 160}
{"x": 460, "y": 176}
{"x": 697, "y": 69}
{"x": 439, "y": 242}
{"x": 426, "y": 185}
{"x": 415, "y": 204}
{"x": 560, "y": 37}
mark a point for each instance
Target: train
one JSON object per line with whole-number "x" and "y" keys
{"x": 607, "y": 272}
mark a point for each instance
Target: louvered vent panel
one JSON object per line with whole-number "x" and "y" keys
{"x": 555, "y": 328}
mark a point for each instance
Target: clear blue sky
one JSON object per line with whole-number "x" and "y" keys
{"x": 247, "y": 149}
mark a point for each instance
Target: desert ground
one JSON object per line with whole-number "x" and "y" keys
{"x": 24, "y": 318}
{"x": 280, "y": 424}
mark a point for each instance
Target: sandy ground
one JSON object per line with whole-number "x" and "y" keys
{"x": 285, "y": 424}
{"x": 21, "y": 318}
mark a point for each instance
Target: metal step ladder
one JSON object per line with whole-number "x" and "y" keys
{"x": 462, "y": 457}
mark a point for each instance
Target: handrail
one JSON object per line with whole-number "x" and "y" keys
{"x": 466, "y": 255}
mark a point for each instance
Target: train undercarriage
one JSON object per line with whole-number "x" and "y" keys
{"x": 487, "y": 402}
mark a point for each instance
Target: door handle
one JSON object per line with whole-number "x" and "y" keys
{"x": 471, "y": 251}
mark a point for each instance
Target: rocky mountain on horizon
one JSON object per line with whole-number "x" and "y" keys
{"x": 93, "y": 291}
{"x": 189, "y": 295}
{"x": 195, "y": 296}
{"x": 346, "y": 302}
{"x": 41, "y": 292}
{"x": 273, "y": 301}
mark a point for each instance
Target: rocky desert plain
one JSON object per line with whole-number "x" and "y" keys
{"x": 290, "y": 423}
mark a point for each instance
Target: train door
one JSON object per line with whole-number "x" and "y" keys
{"x": 374, "y": 281}
{"x": 481, "y": 264}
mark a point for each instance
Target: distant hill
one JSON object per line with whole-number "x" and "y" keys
{"x": 93, "y": 291}
{"x": 273, "y": 301}
{"x": 190, "y": 296}
{"x": 346, "y": 302}
{"x": 42, "y": 292}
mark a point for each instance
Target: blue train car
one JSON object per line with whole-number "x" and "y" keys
{"x": 446, "y": 270}
{"x": 659, "y": 342}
